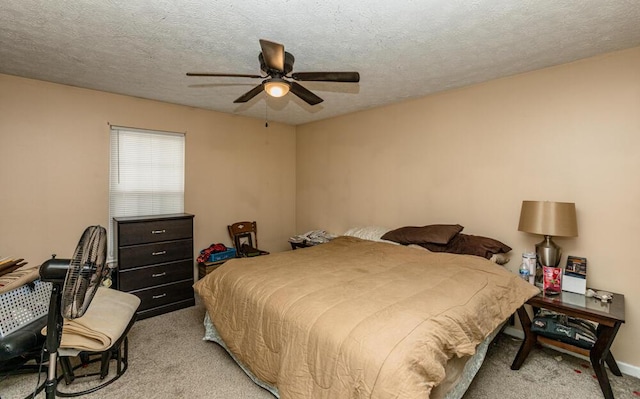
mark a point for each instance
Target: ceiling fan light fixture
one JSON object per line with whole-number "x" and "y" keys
{"x": 276, "y": 87}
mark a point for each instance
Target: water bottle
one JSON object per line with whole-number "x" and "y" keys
{"x": 529, "y": 259}
{"x": 524, "y": 271}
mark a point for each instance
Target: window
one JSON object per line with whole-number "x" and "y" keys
{"x": 146, "y": 174}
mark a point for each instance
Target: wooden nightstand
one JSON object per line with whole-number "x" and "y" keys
{"x": 609, "y": 317}
{"x": 207, "y": 267}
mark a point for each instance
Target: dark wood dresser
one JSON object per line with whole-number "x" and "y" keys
{"x": 155, "y": 261}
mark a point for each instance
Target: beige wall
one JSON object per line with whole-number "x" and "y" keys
{"x": 470, "y": 156}
{"x": 54, "y": 167}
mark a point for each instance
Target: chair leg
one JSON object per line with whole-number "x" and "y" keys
{"x": 67, "y": 370}
{"x": 84, "y": 358}
{"x": 104, "y": 363}
{"x": 123, "y": 357}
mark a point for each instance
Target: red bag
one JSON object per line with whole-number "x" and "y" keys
{"x": 213, "y": 248}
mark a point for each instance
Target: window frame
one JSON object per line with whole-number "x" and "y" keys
{"x": 146, "y": 174}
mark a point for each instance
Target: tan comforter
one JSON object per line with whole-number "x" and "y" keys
{"x": 355, "y": 318}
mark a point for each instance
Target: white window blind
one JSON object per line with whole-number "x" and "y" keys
{"x": 146, "y": 174}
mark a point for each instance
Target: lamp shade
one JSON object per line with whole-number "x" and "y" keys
{"x": 549, "y": 218}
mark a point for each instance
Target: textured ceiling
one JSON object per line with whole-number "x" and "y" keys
{"x": 403, "y": 49}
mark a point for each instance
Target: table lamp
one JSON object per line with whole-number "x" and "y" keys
{"x": 548, "y": 219}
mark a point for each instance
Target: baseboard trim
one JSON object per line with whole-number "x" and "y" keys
{"x": 625, "y": 368}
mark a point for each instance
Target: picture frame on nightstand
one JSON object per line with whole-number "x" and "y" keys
{"x": 575, "y": 275}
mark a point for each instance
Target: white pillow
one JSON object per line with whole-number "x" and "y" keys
{"x": 372, "y": 233}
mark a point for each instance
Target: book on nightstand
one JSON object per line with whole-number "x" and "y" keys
{"x": 575, "y": 275}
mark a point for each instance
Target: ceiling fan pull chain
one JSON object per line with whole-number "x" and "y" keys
{"x": 266, "y": 116}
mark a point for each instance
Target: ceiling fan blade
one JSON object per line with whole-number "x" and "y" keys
{"x": 273, "y": 54}
{"x": 327, "y": 76}
{"x": 304, "y": 94}
{"x": 250, "y": 94}
{"x": 205, "y": 85}
{"x": 229, "y": 75}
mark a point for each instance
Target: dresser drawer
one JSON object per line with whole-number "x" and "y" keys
{"x": 150, "y": 254}
{"x": 147, "y": 276}
{"x": 164, "y": 294}
{"x": 154, "y": 231}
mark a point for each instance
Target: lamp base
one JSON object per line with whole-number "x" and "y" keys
{"x": 548, "y": 254}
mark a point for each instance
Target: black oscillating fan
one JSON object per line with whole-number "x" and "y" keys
{"x": 74, "y": 283}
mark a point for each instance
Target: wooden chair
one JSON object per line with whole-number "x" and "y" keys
{"x": 245, "y": 239}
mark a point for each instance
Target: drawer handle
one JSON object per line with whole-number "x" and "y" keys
{"x": 159, "y": 296}
{"x": 158, "y": 253}
{"x": 159, "y": 274}
{"x": 158, "y": 231}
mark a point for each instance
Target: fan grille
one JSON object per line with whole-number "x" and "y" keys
{"x": 86, "y": 271}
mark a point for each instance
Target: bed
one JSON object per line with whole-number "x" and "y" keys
{"x": 357, "y": 318}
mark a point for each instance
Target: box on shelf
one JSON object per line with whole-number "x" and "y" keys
{"x": 218, "y": 256}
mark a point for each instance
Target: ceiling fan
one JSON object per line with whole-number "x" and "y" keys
{"x": 277, "y": 64}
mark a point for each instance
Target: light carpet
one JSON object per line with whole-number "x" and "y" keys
{"x": 169, "y": 359}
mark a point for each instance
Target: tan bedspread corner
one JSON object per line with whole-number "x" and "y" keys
{"x": 357, "y": 319}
